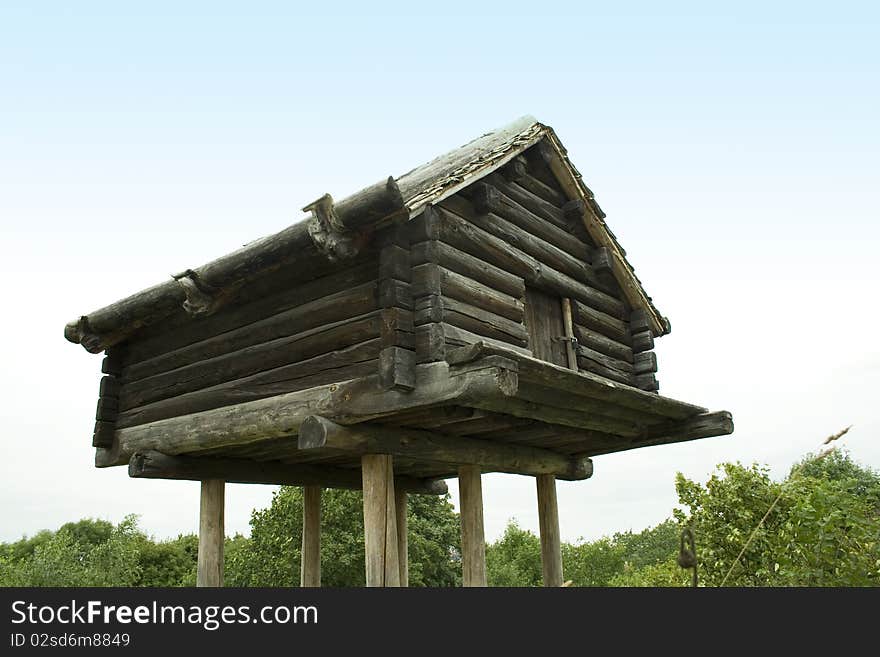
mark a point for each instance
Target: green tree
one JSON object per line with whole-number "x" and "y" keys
{"x": 514, "y": 559}
{"x": 272, "y": 555}
{"x": 822, "y": 531}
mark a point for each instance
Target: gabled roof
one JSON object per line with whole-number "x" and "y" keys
{"x": 330, "y": 228}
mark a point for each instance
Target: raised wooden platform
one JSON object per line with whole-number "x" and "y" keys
{"x": 495, "y": 407}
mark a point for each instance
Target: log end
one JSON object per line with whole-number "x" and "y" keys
{"x": 313, "y": 432}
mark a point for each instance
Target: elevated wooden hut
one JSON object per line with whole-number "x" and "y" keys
{"x": 473, "y": 315}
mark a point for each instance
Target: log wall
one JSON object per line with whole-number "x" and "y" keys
{"x": 290, "y": 336}
{"x": 482, "y": 259}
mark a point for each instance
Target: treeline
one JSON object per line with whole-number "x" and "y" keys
{"x": 823, "y": 530}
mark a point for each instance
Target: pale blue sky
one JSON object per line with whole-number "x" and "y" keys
{"x": 734, "y": 150}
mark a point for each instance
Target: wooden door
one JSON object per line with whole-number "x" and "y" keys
{"x": 543, "y": 315}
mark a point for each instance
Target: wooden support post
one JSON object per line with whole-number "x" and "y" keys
{"x": 548, "y": 520}
{"x": 400, "y": 507}
{"x": 473, "y": 541}
{"x": 310, "y": 566}
{"x": 380, "y": 521}
{"x": 211, "y": 534}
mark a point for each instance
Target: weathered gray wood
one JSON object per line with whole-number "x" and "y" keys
{"x": 445, "y": 255}
{"x": 320, "y": 433}
{"x": 431, "y": 279}
{"x": 531, "y": 370}
{"x": 211, "y": 534}
{"x": 533, "y": 203}
{"x": 526, "y": 242}
{"x": 397, "y": 368}
{"x": 310, "y": 564}
{"x": 394, "y": 263}
{"x": 436, "y": 308}
{"x": 114, "y": 323}
{"x": 341, "y": 365}
{"x": 459, "y": 232}
{"x": 543, "y": 190}
{"x": 152, "y": 464}
{"x": 433, "y": 339}
{"x": 380, "y": 521}
{"x": 602, "y": 344}
{"x": 473, "y": 541}
{"x": 488, "y": 198}
{"x": 595, "y": 320}
{"x": 548, "y": 521}
{"x": 642, "y": 342}
{"x": 252, "y": 359}
{"x": 706, "y": 425}
{"x": 570, "y": 340}
{"x": 545, "y": 325}
{"x": 172, "y": 335}
{"x": 620, "y": 367}
{"x": 644, "y": 362}
{"x": 358, "y": 400}
{"x": 647, "y": 381}
{"x": 103, "y": 433}
{"x": 400, "y": 508}
{"x": 329, "y": 310}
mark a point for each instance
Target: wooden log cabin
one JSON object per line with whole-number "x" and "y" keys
{"x": 473, "y": 315}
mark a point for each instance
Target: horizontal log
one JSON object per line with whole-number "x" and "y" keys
{"x": 608, "y": 325}
{"x": 341, "y": 365}
{"x": 539, "y": 188}
{"x": 430, "y": 279}
{"x": 250, "y": 360}
{"x": 196, "y": 329}
{"x": 705, "y": 425}
{"x": 155, "y": 465}
{"x": 647, "y": 381}
{"x": 320, "y": 312}
{"x": 505, "y": 207}
{"x": 394, "y": 263}
{"x": 432, "y": 339}
{"x": 532, "y": 370}
{"x": 463, "y": 315}
{"x": 112, "y": 324}
{"x": 358, "y": 400}
{"x": 643, "y": 341}
{"x": 531, "y": 202}
{"x": 459, "y": 232}
{"x": 319, "y": 433}
{"x": 645, "y": 362}
{"x": 602, "y": 344}
{"x": 599, "y": 368}
{"x": 525, "y": 241}
{"x": 445, "y": 255}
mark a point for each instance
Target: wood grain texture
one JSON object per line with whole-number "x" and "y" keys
{"x": 473, "y": 540}
{"x": 548, "y": 521}
{"x": 211, "y": 534}
{"x": 310, "y": 563}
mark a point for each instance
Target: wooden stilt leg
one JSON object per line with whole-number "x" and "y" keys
{"x": 548, "y": 520}
{"x": 380, "y": 521}
{"x": 211, "y": 534}
{"x": 473, "y": 542}
{"x": 400, "y": 504}
{"x": 310, "y": 567}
